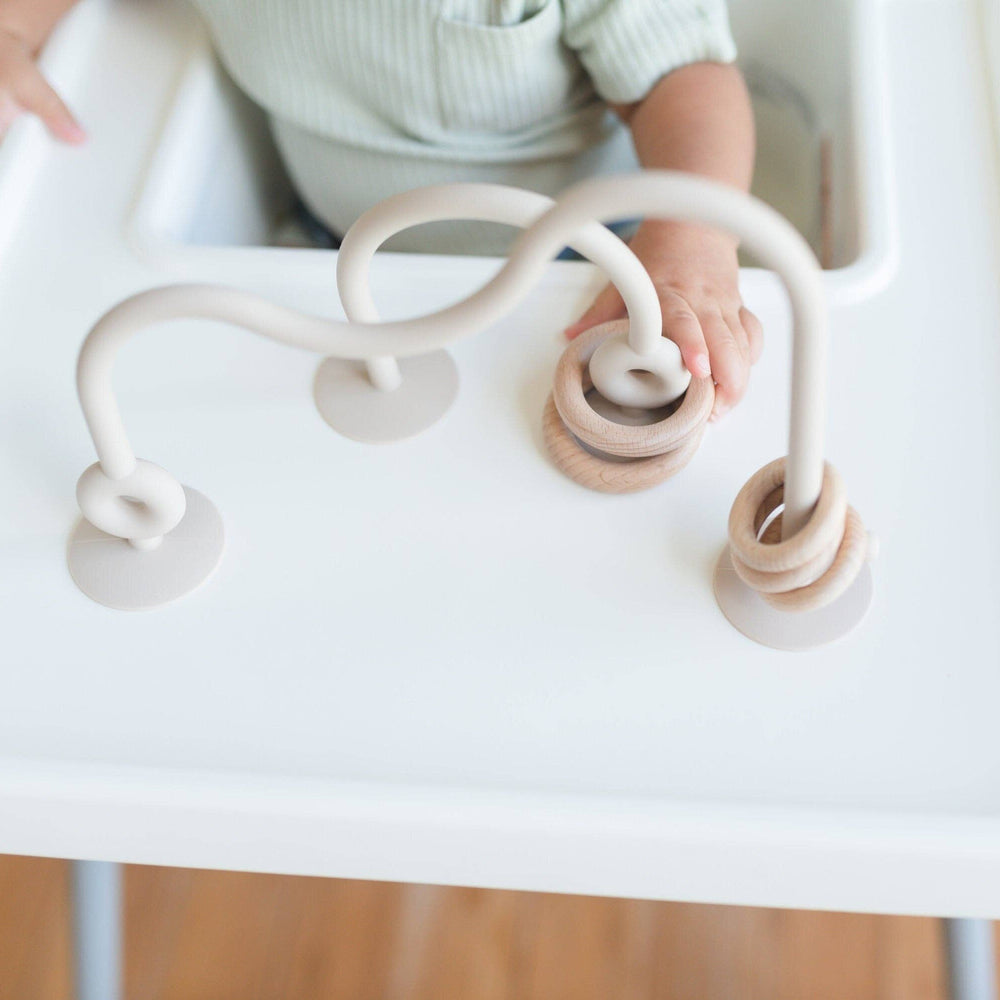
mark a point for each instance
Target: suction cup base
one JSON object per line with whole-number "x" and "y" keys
{"x": 750, "y": 614}
{"x": 114, "y": 573}
{"x": 352, "y": 406}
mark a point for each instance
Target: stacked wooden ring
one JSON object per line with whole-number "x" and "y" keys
{"x": 817, "y": 564}
{"x": 612, "y": 457}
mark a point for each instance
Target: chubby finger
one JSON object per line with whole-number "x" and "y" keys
{"x": 730, "y": 363}
{"x": 682, "y": 326}
{"x": 34, "y": 94}
{"x": 754, "y": 332}
{"x": 607, "y": 306}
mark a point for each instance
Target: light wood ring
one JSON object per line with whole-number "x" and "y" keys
{"x": 606, "y": 474}
{"x": 802, "y": 573}
{"x": 821, "y": 533}
{"x": 572, "y": 383}
{"x": 848, "y": 562}
{"x": 813, "y": 567}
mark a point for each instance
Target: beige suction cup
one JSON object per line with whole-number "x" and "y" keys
{"x": 352, "y": 406}
{"x": 116, "y": 574}
{"x": 749, "y": 613}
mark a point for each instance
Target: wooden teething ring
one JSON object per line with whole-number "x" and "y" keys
{"x": 813, "y": 567}
{"x": 654, "y": 452}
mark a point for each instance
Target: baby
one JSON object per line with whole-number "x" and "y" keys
{"x": 370, "y": 97}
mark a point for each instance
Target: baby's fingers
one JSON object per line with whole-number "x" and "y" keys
{"x": 730, "y": 363}
{"x": 32, "y": 91}
{"x": 681, "y": 325}
{"x": 754, "y": 332}
{"x": 9, "y": 110}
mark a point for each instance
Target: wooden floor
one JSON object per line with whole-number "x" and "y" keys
{"x": 194, "y": 935}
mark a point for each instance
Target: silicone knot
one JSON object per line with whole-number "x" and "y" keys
{"x": 612, "y": 457}
{"x": 628, "y": 378}
{"x": 813, "y": 567}
{"x": 145, "y": 504}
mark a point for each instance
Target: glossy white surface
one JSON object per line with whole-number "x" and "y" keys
{"x": 440, "y": 661}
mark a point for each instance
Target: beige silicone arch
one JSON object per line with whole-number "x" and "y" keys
{"x": 573, "y": 219}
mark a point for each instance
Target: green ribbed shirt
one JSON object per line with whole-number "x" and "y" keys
{"x": 370, "y": 97}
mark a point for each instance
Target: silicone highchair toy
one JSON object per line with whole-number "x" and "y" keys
{"x": 392, "y": 403}
{"x": 590, "y": 447}
{"x": 146, "y": 540}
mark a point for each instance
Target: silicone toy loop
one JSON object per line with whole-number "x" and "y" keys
{"x": 141, "y": 506}
{"x": 641, "y": 381}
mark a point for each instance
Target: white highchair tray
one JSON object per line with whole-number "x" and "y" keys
{"x": 442, "y": 661}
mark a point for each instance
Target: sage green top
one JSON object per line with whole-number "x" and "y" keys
{"x": 370, "y": 97}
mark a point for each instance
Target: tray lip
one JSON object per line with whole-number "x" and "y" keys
{"x": 617, "y": 845}
{"x": 74, "y": 779}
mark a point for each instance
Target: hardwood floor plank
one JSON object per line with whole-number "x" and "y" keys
{"x": 34, "y": 931}
{"x": 197, "y": 935}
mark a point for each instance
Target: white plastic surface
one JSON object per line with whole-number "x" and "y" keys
{"x": 500, "y": 724}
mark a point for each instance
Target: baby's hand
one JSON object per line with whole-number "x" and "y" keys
{"x": 23, "y": 88}
{"x": 697, "y": 277}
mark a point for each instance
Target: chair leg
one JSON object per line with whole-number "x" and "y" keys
{"x": 971, "y": 959}
{"x": 97, "y": 929}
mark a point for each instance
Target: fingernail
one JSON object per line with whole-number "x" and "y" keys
{"x": 702, "y": 366}
{"x": 75, "y": 134}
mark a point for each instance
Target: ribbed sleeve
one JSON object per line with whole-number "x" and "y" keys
{"x": 627, "y": 45}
